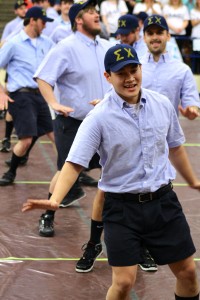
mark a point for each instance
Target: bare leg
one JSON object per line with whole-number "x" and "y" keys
{"x": 123, "y": 280}
{"x": 185, "y": 272}
{"x": 97, "y": 207}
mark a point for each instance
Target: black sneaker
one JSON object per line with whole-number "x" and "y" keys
{"x": 86, "y": 262}
{"x": 74, "y": 195}
{"x": 46, "y": 225}
{"x": 22, "y": 163}
{"x": 7, "y": 178}
{"x": 87, "y": 180}
{"x": 149, "y": 264}
{"x": 5, "y": 145}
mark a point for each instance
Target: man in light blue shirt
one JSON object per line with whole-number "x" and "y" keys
{"x": 129, "y": 33}
{"x": 31, "y": 116}
{"x": 20, "y": 11}
{"x": 64, "y": 29}
{"x": 136, "y": 131}
{"x": 75, "y": 66}
{"x": 163, "y": 74}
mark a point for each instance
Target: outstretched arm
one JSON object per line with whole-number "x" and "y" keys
{"x": 66, "y": 179}
{"x": 190, "y": 112}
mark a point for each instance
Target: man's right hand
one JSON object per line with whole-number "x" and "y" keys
{"x": 32, "y": 204}
{"x": 62, "y": 109}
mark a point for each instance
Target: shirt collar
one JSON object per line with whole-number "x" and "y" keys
{"x": 122, "y": 103}
{"x": 24, "y": 36}
{"x": 88, "y": 41}
{"x": 163, "y": 58}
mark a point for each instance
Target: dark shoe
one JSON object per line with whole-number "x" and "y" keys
{"x": 86, "y": 262}
{"x": 148, "y": 265}
{"x": 46, "y": 225}
{"x": 23, "y": 161}
{"x": 74, "y": 195}
{"x": 87, "y": 180}
{"x": 7, "y": 179}
{"x": 5, "y": 145}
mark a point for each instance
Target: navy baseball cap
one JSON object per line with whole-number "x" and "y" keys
{"x": 78, "y": 6}
{"x": 119, "y": 56}
{"x": 126, "y": 24}
{"x": 37, "y": 13}
{"x": 156, "y": 20}
{"x": 19, "y": 3}
{"x": 142, "y": 15}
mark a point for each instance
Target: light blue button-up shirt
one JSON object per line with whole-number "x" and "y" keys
{"x": 133, "y": 148}
{"x": 60, "y": 33}
{"x": 171, "y": 78}
{"x": 10, "y": 27}
{"x": 21, "y": 57}
{"x": 76, "y": 64}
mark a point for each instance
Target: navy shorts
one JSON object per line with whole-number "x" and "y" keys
{"x": 31, "y": 114}
{"x": 65, "y": 129}
{"x": 159, "y": 225}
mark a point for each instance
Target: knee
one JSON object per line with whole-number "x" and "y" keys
{"x": 124, "y": 285}
{"x": 26, "y": 143}
{"x": 188, "y": 278}
{"x": 188, "y": 273}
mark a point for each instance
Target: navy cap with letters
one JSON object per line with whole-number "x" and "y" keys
{"x": 126, "y": 24}
{"x": 119, "y": 56}
{"x": 37, "y": 13}
{"x": 156, "y": 20}
{"x": 78, "y": 6}
{"x": 19, "y": 3}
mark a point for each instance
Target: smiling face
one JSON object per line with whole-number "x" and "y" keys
{"x": 127, "y": 82}
{"x": 156, "y": 39}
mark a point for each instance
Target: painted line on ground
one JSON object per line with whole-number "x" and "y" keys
{"x": 54, "y": 259}
{"x": 46, "y": 259}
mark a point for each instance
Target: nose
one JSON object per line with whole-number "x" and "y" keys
{"x": 130, "y": 77}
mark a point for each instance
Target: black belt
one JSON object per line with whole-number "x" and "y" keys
{"x": 28, "y": 90}
{"x": 143, "y": 197}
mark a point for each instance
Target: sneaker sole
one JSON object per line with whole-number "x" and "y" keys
{"x": 151, "y": 269}
{"x": 66, "y": 205}
{"x": 88, "y": 270}
{"x": 46, "y": 235}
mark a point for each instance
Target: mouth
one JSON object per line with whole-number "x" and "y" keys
{"x": 130, "y": 86}
{"x": 155, "y": 43}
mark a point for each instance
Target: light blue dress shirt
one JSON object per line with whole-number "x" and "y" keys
{"x": 50, "y": 26}
{"x": 60, "y": 33}
{"x": 10, "y": 27}
{"x": 76, "y": 64}
{"x": 171, "y": 78}
{"x": 133, "y": 148}
{"x": 21, "y": 57}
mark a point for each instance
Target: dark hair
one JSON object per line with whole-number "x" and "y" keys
{"x": 27, "y": 21}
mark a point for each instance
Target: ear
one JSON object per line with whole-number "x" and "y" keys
{"x": 169, "y": 36}
{"x": 107, "y": 76}
{"x": 78, "y": 20}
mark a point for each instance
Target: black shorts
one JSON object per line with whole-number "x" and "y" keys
{"x": 65, "y": 129}
{"x": 31, "y": 114}
{"x": 159, "y": 225}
